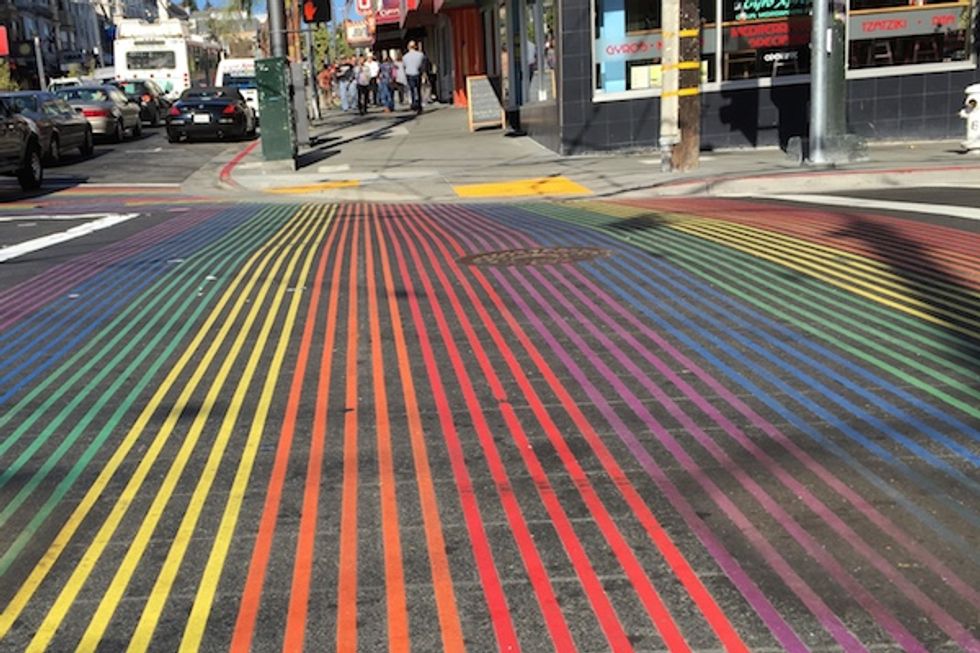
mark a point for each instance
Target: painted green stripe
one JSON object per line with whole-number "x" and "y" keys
{"x": 253, "y": 234}
{"x": 682, "y": 248}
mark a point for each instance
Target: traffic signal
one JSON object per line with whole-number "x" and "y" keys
{"x": 316, "y": 11}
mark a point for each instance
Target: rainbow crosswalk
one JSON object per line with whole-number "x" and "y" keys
{"x": 743, "y": 427}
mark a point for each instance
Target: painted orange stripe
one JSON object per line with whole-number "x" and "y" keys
{"x": 347, "y": 582}
{"x": 493, "y": 591}
{"x": 678, "y": 563}
{"x": 554, "y": 618}
{"x": 248, "y": 610}
{"x": 442, "y": 582}
{"x": 303, "y": 565}
{"x": 394, "y": 575}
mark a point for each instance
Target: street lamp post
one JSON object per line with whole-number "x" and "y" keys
{"x": 39, "y": 58}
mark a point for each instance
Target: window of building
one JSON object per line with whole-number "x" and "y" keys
{"x": 537, "y": 54}
{"x": 628, "y": 45}
{"x": 753, "y": 39}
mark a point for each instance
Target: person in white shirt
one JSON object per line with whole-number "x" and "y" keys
{"x": 373, "y": 68}
{"x": 414, "y": 61}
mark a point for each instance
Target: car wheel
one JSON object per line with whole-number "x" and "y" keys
{"x": 87, "y": 148}
{"x": 54, "y": 151}
{"x": 120, "y": 132}
{"x": 31, "y": 173}
{"x": 173, "y": 136}
{"x": 138, "y": 129}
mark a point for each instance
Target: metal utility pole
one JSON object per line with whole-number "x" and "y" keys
{"x": 680, "y": 100}
{"x": 829, "y": 142}
{"x": 277, "y": 27}
{"x": 39, "y": 57}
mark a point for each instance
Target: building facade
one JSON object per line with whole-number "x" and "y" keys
{"x": 908, "y": 62}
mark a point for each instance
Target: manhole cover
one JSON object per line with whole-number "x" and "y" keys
{"x": 535, "y": 256}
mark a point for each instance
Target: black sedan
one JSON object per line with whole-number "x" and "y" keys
{"x": 214, "y": 111}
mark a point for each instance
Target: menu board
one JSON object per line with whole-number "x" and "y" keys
{"x": 484, "y": 108}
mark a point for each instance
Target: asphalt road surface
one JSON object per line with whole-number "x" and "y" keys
{"x": 705, "y": 425}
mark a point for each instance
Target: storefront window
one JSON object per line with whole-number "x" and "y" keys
{"x": 894, "y": 32}
{"x": 771, "y": 38}
{"x": 765, "y": 38}
{"x": 537, "y": 53}
{"x": 628, "y": 45}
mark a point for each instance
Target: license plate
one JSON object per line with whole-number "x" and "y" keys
{"x": 202, "y": 118}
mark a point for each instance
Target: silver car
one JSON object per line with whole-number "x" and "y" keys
{"x": 106, "y": 108}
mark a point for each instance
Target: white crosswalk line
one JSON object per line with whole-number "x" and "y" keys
{"x": 885, "y": 205}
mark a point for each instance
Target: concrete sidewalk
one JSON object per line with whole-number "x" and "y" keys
{"x": 401, "y": 157}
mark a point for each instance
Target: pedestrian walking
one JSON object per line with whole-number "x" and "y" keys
{"x": 362, "y": 76}
{"x": 401, "y": 81}
{"x": 345, "y": 83}
{"x": 414, "y": 62}
{"x": 373, "y": 68}
{"x": 386, "y": 82}
{"x": 325, "y": 82}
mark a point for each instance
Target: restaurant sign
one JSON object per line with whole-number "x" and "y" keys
{"x": 762, "y": 9}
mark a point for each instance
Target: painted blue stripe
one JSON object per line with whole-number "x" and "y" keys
{"x": 125, "y": 284}
{"x": 548, "y": 232}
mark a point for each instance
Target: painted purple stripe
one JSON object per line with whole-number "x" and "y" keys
{"x": 924, "y": 603}
{"x": 862, "y": 505}
{"x": 34, "y": 293}
{"x": 780, "y": 629}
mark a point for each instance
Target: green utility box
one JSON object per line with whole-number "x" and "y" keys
{"x": 276, "y": 109}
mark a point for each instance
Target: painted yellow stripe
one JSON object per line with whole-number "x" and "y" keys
{"x": 879, "y": 288}
{"x": 541, "y": 186}
{"x": 683, "y": 222}
{"x": 857, "y": 265}
{"x": 684, "y": 92}
{"x": 127, "y": 568}
{"x": 178, "y": 548}
{"x": 314, "y": 188}
{"x": 683, "y": 65}
{"x": 45, "y": 632}
{"x": 204, "y": 599}
{"x": 690, "y": 32}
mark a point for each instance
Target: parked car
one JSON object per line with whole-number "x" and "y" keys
{"x": 107, "y": 109}
{"x": 56, "y": 83}
{"x": 20, "y": 148}
{"x": 215, "y": 111}
{"x": 153, "y": 105}
{"x": 61, "y": 127}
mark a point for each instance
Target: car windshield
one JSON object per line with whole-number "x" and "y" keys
{"x": 133, "y": 88}
{"x": 86, "y": 94}
{"x": 19, "y": 103}
{"x": 209, "y": 94}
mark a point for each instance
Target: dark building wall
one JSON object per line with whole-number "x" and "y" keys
{"x": 540, "y": 120}
{"x": 906, "y": 107}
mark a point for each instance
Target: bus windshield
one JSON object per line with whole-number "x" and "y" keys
{"x": 238, "y": 81}
{"x": 151, "y": 60}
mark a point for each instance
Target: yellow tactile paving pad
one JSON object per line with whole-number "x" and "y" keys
{"x": 313, "y": 188}
{"x": 541, "y": 186}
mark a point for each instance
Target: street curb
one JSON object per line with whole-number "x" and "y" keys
{"x": 225, "y": 175}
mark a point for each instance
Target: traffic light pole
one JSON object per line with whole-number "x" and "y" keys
{"x": 829, "y": 142}
{"x": 277, "y": 27}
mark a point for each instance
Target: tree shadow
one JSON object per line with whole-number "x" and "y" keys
{"x": 941, "y": 291}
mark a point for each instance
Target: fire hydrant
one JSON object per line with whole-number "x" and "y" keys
{"x": 971, "y": 112}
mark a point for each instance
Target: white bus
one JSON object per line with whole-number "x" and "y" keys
{"x": 165, "y": 52}
{"x": 239, "y": 73}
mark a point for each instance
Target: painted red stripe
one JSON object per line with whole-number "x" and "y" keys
{"x": 303, "y": 565}
{"x": 601, "y": 605}
{"x": 677, "y": 562}
{"x": 500, "y": 616}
